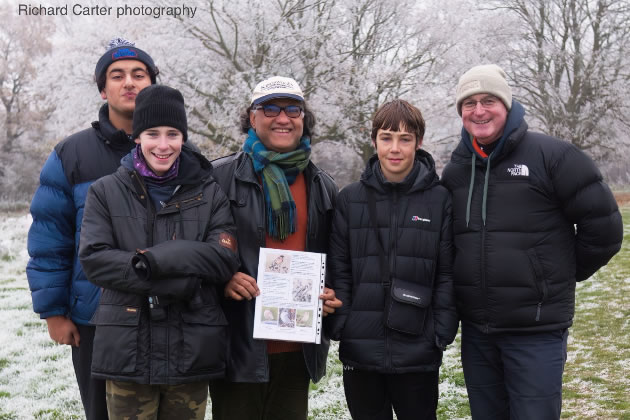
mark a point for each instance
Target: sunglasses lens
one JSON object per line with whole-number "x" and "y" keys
{"x": 293, "y": 111}
{"x": 271, "y": 110}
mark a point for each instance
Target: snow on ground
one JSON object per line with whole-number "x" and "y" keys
{"x": 37, "y": 379}
{"x": 36, "y": 375}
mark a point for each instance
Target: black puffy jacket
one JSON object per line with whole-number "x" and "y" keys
{"x": 414, "y": 221}
{"x": 191, "y": 250}
{"x": 235, "y": 173}
{"x": 536, "y": 218}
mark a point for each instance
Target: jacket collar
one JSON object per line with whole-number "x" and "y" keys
{"x": 110, "y": 135}
{"x": 194, "y": 168}
{"x": 515, "y": 128}
{"x": 423, "y": 175}
{"x": 312, "y": 174}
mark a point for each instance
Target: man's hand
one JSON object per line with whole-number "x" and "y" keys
{"x": 241, "y": 286}
{"x": 63, "y": 331}
{"x": 330, "y": 301}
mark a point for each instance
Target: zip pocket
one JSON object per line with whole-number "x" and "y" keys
{"x": 539, "y": 280}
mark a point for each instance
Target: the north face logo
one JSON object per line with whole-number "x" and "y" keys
{"x": 519, "y": 170}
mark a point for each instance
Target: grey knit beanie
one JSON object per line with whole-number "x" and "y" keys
{"x": 488, "y": 78}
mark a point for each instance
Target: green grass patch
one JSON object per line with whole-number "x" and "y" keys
{"x": 595, "y": 381}
{"x": 12, "y": 289}
{"x": 55, "y": 414}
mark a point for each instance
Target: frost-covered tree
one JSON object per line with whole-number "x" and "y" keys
{"x": 348, "y": 55}
{"x": 24, "y": 109}
{"x": 22, "y": 44}
{"x": 571, "y": 64}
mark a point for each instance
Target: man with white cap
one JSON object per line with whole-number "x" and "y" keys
{"x": 281, "y": 200}
{"x": 531, "y": 216}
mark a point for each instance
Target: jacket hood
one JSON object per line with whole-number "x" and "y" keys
{"x": 193, "y": 167}
{"x": 513, "y": 133}
{"x": 422, "y": 176}
{"x": 113, "y": 137}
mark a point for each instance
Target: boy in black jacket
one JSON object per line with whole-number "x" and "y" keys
{"x": 159, "y": 238}
{"x": 390, "y": 262}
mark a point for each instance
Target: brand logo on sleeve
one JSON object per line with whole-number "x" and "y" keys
{"x": 227, "y": 241}
{"x": 420, "y": 219}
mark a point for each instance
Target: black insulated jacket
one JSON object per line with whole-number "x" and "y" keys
{"x": 414, "y": 222}
{"x": 529, "y": 221}
{"x": 191, "y": 252}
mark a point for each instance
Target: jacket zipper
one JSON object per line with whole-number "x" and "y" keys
{"x": 542, "y": 298}
{"x": 262, "y": 243}
{"x": 539, "y": 281}
{"x": 310, "y": 232}
{"x": 393, "y": 230}
{"x": 150, "y": 227}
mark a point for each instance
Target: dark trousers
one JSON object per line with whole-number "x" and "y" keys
{"x": 284, "y": 397}
{"x": 92, "y": 390}
{"x": 514, "y": 376}
{"x": 371, "y": 395}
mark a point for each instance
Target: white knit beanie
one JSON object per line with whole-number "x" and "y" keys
{"x": 488, "y": 78}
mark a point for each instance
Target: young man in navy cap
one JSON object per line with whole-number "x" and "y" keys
{"x": 61, "y": 293}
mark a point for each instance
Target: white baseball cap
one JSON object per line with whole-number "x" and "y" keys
{"x": 276, "y": 87}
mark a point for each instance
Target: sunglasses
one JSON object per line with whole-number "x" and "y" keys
{"x": 271, "y": 110}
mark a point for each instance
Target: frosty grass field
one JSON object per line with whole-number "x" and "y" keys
{"x": 37, "y": 379}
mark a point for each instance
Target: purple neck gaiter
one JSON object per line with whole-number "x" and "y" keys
{"x": 140, "y": 165}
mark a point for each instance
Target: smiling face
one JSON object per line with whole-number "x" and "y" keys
{"x": 396, "y": 152}
{"x": 484, "y": 123}
{"x": 160, "y": 147}
{"x": 124, "y": 79}
{"x": 280, "y": 133}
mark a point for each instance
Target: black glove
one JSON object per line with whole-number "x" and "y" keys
{"x": 141, "y": 266}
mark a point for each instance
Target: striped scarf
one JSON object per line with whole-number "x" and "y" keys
{"x": 278, "y": 171}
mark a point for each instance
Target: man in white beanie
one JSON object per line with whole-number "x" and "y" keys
{"x": 280, "y": 200}
{"x": 531, "y": 217}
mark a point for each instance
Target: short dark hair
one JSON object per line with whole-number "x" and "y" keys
{"x": 396, "y": 114}
{"x": 309, "y": 121}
